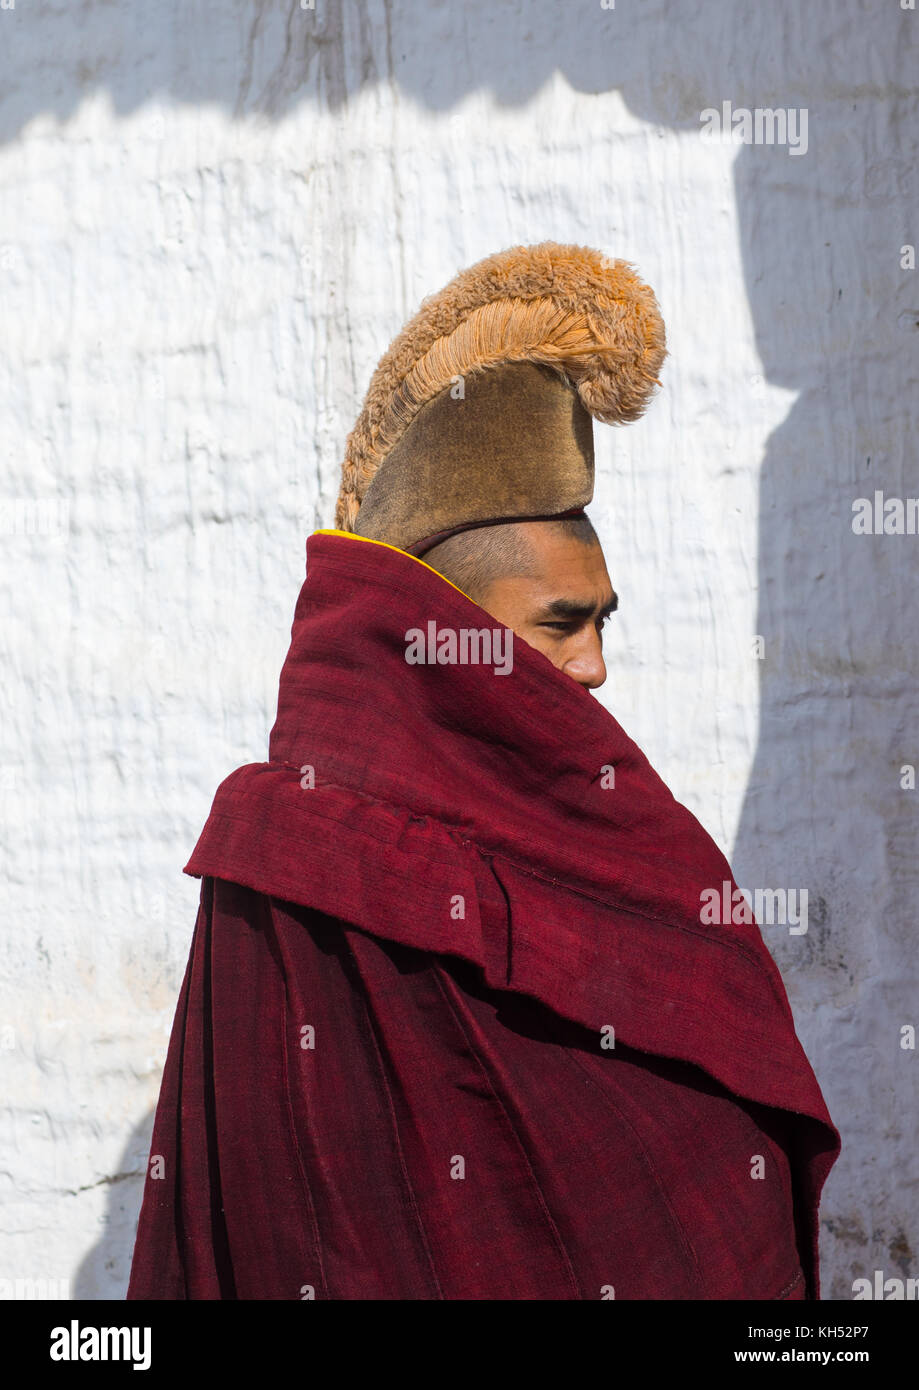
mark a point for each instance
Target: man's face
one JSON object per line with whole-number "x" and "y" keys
{"x": 561, "y": 606}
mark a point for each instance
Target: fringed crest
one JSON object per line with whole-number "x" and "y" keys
{"x": 567, "y": 307}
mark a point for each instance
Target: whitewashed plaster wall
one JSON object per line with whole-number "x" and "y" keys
{"x": 213, "y": 218}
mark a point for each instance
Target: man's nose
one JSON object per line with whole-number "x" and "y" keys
{"x": 587, "y": 666}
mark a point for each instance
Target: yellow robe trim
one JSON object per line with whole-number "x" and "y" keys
{"x": 327, "y": 531}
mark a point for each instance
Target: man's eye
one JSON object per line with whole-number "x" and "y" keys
{"x": 564, "y": 627}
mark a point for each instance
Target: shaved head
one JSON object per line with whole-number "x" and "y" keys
{"x": 473, "y": 560}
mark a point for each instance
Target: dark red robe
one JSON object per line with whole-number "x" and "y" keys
{"x": 423, "y": 923}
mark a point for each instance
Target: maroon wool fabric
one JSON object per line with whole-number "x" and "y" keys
{"x": 386, "y": 1077}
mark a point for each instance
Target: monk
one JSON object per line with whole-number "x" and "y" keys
{"x": 453, "y": 1025}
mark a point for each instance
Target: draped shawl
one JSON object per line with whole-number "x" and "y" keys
{"x": 452, "y": 1024}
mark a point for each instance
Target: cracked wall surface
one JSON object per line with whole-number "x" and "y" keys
{"x": 212, "y": 221}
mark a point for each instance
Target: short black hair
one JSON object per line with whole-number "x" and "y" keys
{"x": 474, "y": 559}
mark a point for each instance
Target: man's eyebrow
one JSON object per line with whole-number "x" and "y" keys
{"x": 578, "y": 608}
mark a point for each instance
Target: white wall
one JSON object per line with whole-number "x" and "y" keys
{"x": 213, "y": 218}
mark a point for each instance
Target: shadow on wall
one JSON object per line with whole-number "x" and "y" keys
{"x": 669, "y": 59}
{"x": 835, "y": 320}
{"x": 104, "y": 1271}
